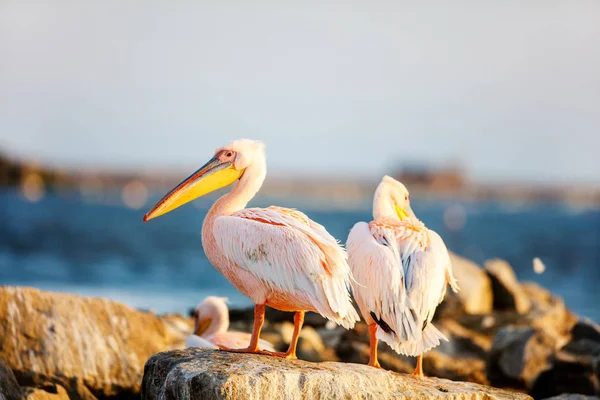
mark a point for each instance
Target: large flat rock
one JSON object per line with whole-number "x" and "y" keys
{"x": 214, "y": 374}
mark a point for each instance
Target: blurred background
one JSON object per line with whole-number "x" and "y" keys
{"x": 488, "y": 112}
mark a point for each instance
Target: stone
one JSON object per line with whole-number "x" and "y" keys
{"x": 49, "y": 392}
{"x": 475, "y": 295}
{"x": 310, "y": 345}
{"x": 548, "y": 312}
{"x": 90, "y": 346}
{"x": 519, "y": 354}
{"x": 507, "y": 291}
{"x": 572, "y": 396}
{"x": 568, "y": 374}
{"x": 585, "y": 339}
{"x": 213, "y": 374}
{"x": 586, "y": 329}
{"x": 9, "y": 388}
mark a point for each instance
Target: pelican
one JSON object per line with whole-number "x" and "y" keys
{"x": 275, "y": 256}
{"x": 211, "y": 324}
{"x": 401, "y": 269}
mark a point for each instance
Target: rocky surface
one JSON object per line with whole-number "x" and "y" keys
{"x": 571, "y": 396}
{"x": 47, "y": 392}
{"x": 475, "y": 296}
{"x": 9, "y": 388}
{"x": 502, "y": 332}
{"x": 506, "y": 290}
{"x": 213, "y": 374}
{"x": 91, "y": 347}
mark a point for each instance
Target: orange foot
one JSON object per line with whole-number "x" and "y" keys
{"x": 375, "y": 365}
{"x": 250, "y": 351}
{"x": 418, "y": 373}
{"x": 286, "y": 355}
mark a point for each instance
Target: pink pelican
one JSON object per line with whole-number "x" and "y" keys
{"x": 402, "y": 269}
{"x": 211, "y": 324}
{"x": 276, "y": 256}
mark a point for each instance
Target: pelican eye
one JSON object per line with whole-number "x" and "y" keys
{"x": 229, "y": 154}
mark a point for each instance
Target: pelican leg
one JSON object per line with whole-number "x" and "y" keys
{"x": 290, "y": 354}
{"x": 298, "y": 322}
{"x": 419, "y": 368}
{"x": 259, "y": 320}
{"x": 373, "y": 362}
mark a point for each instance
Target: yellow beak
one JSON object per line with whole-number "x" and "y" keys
{"x": 404, "y": 213}
{"x": 202, "y": 326}
{"x": 213, "y": 175}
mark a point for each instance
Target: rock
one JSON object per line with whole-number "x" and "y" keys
{"x": 310, "y": 345}
{"x": 331, "y": 337}
{"x": 576, "y": 367}
{"x": 9, "y": 388}
{"x": 586, "y": 329}
{"x": 585, "y": 339}
{"x": 358, "y": 353}
{"x": 79, "y": 343}
{"x": 571, "y": 396}
{"x": 568, "y": 374}
{"x": 548, "y": 312}
{"x": 507, "y": 292}
{"x": 469, "y": 369}
{"x": 212, "y": 374}
{"x": 475, "y": 295}
{"x": 49, "y": 392}
{"x": 520, "y": 354}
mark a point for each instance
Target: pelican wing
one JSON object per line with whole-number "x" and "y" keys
{"x": 380, "y": 288}
{"x": 289, "y": 253}
{"x": 428, "y": 270}
{"x": 427, "y": 266}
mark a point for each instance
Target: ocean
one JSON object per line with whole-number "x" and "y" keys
{"x": 66, "y": 243}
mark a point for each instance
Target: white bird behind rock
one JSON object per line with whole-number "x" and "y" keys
{"x": 211, "y": 324}
{"x": 401, "y": 270}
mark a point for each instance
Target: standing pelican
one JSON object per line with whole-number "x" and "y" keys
{"x": 276, "y": 256}
{"x": 211, "y": 324}
{"x": 402, "y": 269}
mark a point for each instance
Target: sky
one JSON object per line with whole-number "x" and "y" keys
{"x": 508, "y": 90}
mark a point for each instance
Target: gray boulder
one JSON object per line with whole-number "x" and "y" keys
{"x": 519, "y": 354}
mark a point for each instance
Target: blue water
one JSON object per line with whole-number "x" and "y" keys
{"x": 63, "y": 243}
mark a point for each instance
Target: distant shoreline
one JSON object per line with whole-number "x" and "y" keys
{"x": 34, "y": 180}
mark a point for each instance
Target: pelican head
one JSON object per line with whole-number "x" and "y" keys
{"x": 211, "y": 316}
{"x": 391, "y": 200}
{"x": 227, "y": 166}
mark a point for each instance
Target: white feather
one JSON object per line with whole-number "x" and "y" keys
{"x": 404, "y": 268}
{"x": 289, "y": 253}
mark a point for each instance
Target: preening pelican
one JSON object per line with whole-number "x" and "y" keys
{"x": 401, "y": 269}
{"x": 211, "y": 324}
{"x": 276, "y": 256}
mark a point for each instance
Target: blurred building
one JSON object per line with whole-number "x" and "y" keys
{"x": 448, "y": 179}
